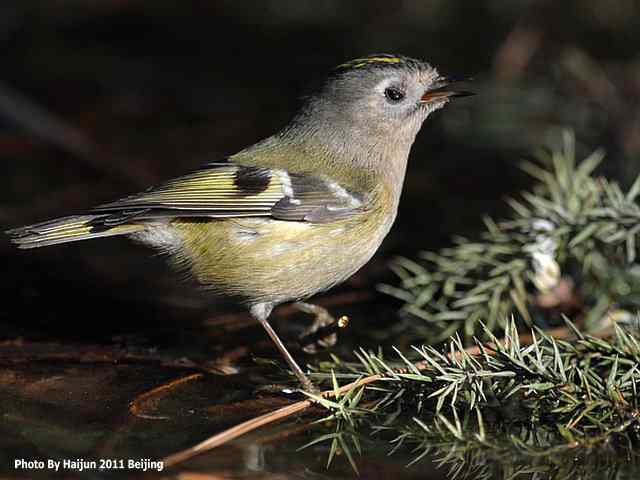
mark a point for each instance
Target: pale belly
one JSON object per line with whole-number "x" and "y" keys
{"x": 272, "y": 261}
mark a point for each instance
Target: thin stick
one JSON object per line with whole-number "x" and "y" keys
{"x": 250, "y": 425}
{"x": 136, "y": 406}
{"x": 284, "y": 412}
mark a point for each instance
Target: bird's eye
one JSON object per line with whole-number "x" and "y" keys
{"x": 393, "y": 95}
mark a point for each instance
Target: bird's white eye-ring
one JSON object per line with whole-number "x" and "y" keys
{"x": 393, "y": 94}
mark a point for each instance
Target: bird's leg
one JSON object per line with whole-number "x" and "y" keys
{"x": 304, "y": 380}
{"x": 261, "y": 313}
{"x": 322, "y": 331}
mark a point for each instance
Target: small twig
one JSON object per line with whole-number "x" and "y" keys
{"x": 237, "y": 431}
{"x": 284, "y": 412}
{"x": 136, "y": 406}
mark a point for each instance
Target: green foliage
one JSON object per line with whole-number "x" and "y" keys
{"x": 552, "y": 409}
{"x": 534, "y": 403}
{"x": 573, "y": 230}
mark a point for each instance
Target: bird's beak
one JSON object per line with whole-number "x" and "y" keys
{"x": 441, "y": 90}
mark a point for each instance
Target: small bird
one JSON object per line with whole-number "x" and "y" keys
{"x": 294, "y": 214}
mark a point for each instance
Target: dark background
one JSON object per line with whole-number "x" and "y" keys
{"x": 101, "y": 99}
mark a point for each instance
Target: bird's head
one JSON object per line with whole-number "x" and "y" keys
{"x": 377, "y": 99}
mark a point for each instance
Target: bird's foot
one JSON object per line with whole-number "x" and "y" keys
{"x": 323, "y": 331}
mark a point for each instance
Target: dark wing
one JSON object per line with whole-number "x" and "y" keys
{"x": 226, "y": 190}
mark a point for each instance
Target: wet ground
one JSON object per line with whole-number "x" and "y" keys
{"x": 117, "y": 402}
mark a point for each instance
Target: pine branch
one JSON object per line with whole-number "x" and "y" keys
{"x": 572, "y": 229}
{"x": 361, "y": 380}
{"x": 549, "y": 396}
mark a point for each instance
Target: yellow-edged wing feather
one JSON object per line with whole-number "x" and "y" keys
{"x": 218, "y": 190}
{"x": 215, "y": 191}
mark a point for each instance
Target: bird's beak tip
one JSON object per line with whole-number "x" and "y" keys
{"x": 441, "y": 94}
{"x": 461, "y": 93}
{"x": 443, "y": 91}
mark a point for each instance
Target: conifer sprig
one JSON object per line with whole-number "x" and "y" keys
{"x": 572, "y": 229}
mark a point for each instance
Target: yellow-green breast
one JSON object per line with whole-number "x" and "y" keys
{"x": 267, "y": 260}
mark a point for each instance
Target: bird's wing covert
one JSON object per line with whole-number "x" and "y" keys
{"x": 225, "y": 190}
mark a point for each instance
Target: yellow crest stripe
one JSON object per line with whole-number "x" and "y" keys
{"x": 363, "y": 62}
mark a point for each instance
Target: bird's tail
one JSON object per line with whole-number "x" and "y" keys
{"x": 68, "y": 229}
